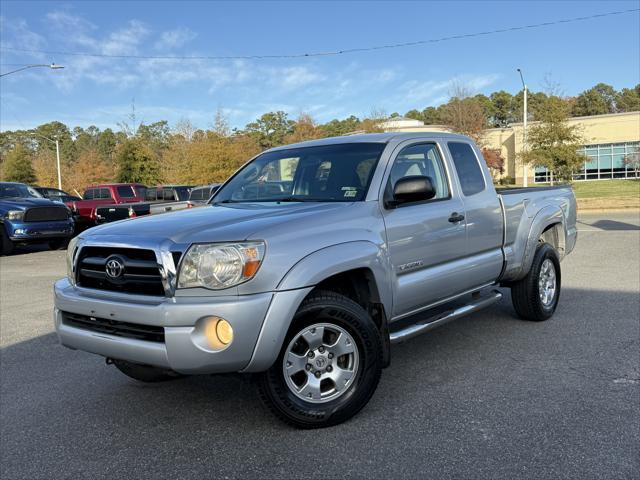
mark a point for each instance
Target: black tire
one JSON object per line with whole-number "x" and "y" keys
{"x": 525, "y": 294}
{"x": 59, "y": 244}
{"x": 145, "y": 373}
{"x": 6, "y": 245}
{"x": 334, "y": 309}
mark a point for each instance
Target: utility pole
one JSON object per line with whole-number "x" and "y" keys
{"x": 525, "y": 182}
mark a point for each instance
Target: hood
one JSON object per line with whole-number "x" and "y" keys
{"x": 220, "y": 223}
{"x": 19, "y": 203}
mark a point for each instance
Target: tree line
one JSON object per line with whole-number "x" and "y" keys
{"x": 183, "y": 154}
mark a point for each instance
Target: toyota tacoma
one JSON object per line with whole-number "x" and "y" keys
{"x": 309, "y": 262}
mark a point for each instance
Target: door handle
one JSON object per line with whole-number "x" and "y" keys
{"x": 456, "y": 217}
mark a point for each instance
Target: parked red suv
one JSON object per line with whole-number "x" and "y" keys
{"x": 104, "y": 194}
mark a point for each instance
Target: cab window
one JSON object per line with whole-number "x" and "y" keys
{"x": 468, "y": 168}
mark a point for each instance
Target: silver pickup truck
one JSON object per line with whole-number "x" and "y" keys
{"x": 309, "y": 262}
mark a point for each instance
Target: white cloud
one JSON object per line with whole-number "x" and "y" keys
{"x": 126, "y": 40}
{"x": 171, "y": 39}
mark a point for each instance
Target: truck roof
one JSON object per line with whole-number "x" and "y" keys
{"x": 99, "y": 185}
{"x": 374, "y": 138}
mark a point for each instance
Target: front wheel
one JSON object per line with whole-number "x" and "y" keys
{"x": 58, "y": 244}
{"x": 536, "y": 296}
{"x": 6, "y": 245}
{"x": 329, "y": 366}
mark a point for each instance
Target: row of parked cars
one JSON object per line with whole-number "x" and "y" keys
{"x": 32, "y": 214}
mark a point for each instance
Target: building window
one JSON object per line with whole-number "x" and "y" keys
{"x": 604, "y": 161}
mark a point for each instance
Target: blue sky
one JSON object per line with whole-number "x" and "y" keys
{"x": 99, "y": 91}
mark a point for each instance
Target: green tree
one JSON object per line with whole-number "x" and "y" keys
{"x": 336, "y": 127}
{"x": 18, "y": 166}
{"x": 270, "y": 129}
{"x": 106, "y": 144}
{"x": 137, "y": 162}
{"x": 414, "y": 114}
{"x": 628, "y": 100}
{"x": 432, "y": 115}
{"x": 503, "y": 104}
{"x": 597, "y": 100}
{"x": 553, "y": 143}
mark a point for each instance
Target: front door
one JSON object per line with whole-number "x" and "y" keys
{"x": 426, "y": 241}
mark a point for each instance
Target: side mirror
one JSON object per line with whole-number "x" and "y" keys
{"x": 415, "y": 188}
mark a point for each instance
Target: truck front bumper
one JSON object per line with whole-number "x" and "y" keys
{"x": 19, "y": 231}
{"x": 257, "y": 322}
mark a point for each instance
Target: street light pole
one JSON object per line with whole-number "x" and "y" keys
{"x": 57, "y": 142}
{"x": 525, "y": 182}
{"x": 58, "y": 164}
{"x": 52, "y": 66}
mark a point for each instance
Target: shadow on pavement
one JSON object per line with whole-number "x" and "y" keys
{"x": 614, "y": 225}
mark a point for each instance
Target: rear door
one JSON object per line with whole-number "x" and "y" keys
{"x": 426, "y": 244}
{"x": 483, "y": 213}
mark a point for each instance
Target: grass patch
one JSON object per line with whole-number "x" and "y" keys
{"x": 607, "y": 188}
{"x": 598, "y": 188}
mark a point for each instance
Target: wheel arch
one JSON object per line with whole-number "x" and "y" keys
{"x": 354, "y": 269}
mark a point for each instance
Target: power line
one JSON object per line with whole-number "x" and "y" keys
{"x": 329, "y": 52}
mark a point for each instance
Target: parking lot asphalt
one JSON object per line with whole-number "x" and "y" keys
{"x": 488, "y": 396}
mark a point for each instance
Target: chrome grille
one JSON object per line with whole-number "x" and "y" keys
{"x": 139, "y": 273}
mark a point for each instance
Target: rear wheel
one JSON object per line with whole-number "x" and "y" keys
{"x": 329, "y": 366}
{"x": 145, "y": 373}
{"x": 536, "y": 296}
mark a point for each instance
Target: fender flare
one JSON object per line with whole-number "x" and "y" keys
{"x": 546, "y": 217}
{"x": 339, "y": 258}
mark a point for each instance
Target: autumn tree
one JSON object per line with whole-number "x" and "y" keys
{"x": 465, "y": 114}
{"x": 18, "y": 166}
{"x": 374, "y": 123}
{"x": 45, "y": 168}
{"x": 90, "y": 168}
{"x": 553, "y": 143}
{"x": 304, "y": 128}
{"x": 495, "y": 161}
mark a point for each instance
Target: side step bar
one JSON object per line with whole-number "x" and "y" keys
{"x": 445, "y": 317}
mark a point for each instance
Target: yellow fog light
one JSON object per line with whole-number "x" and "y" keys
{"x": 224, "y": 331}
{"x": 218, "y": 333}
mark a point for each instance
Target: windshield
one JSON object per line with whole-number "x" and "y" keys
{"x": 183, "y": 193}
{"x": 329, "y": 173}
{"x": 17, "y": 190}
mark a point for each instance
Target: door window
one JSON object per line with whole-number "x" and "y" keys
{"x": 105, "y": 193}
{"x": 468, "y": 168}
{"x": 89, "y": 195}
{"x": 422, "y": 160}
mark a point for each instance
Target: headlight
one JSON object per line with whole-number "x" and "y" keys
{"x": 220, "y": 265}
{"x": 15, "y": 214}
{"x": 71, "y": 254}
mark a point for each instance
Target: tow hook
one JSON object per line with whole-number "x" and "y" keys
{"x": 108, "y": 361}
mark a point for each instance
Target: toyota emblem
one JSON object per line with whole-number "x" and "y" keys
{"x": 114, "y": 268}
